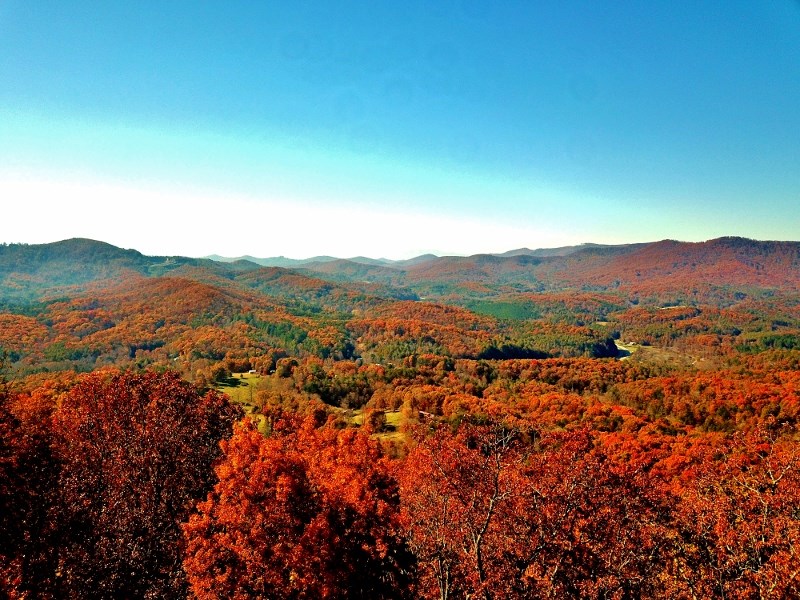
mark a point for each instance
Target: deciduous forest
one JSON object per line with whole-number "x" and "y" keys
{"x": 599, "y": 422}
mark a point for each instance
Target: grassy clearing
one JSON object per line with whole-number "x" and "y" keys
{"x": 391, "y": 432}
{"x": 241, "y": 389}
{"x": 394, "y": 419}
{"x": 668, "y": 356}
{"x": 625, "y": 349}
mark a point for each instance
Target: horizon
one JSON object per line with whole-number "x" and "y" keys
{"x": 454, "y": 129}
{"x": 308, "y": 259}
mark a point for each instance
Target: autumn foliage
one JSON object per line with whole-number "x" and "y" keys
{"x": 307, "y": 513}
{"x": 612, "y": 423}
{"x": 136, "y": 485}
{"x": 127, "y": 456}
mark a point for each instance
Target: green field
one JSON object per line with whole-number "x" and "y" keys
{"x": 241, "y": 389}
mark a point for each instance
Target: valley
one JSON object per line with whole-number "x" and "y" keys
{"x": 566, "y": 407}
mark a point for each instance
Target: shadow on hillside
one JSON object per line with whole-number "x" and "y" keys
{"x": 230, "y": 382}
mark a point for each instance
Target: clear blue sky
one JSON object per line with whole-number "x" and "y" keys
{"x": 396, "y": 128}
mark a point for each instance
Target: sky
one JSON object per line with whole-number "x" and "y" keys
{"x": 393, "y": 129}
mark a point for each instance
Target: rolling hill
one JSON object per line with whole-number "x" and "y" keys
{"x": 28, "y": 272}
{"x": 31, "y": 271}
{"x": 81, "y": 303}
{"x": 722, "y": 264}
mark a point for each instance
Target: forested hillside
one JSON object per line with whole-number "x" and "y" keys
{"x": 591, "y": 422}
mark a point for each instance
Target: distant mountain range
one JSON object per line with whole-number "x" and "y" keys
{"x": 28, "y": 271}
{"x": 282, "y": 261}
{"x": 291, "y": 263}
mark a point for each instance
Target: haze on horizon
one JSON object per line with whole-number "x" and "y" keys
{"x": 302, "y": 129}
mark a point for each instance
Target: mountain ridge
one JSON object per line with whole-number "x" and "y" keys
{"x": 283, "y": 261}
{"x": 30, "y": 270}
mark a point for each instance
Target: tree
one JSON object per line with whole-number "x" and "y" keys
{"x": 305, "y": 513}
{"x": 737, "y": 521}
{"x": 136, "y": 453}
{"x": 493, "y": 514}
{"x": 592, "y": 524}
{"x": 459, "y": 495}
{"x": 28, "y": 491}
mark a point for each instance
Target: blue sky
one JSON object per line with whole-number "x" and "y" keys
{"x": 393, "y": 129}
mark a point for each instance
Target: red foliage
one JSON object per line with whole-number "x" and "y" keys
{"x": 28, "y": 491}
{"x": 490, "y": 516}
{"x": 737, "y": 526}
{"x": 134, "y": 452}
{"x": 309, "y": 513}
{"x": 460, "y": 494}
